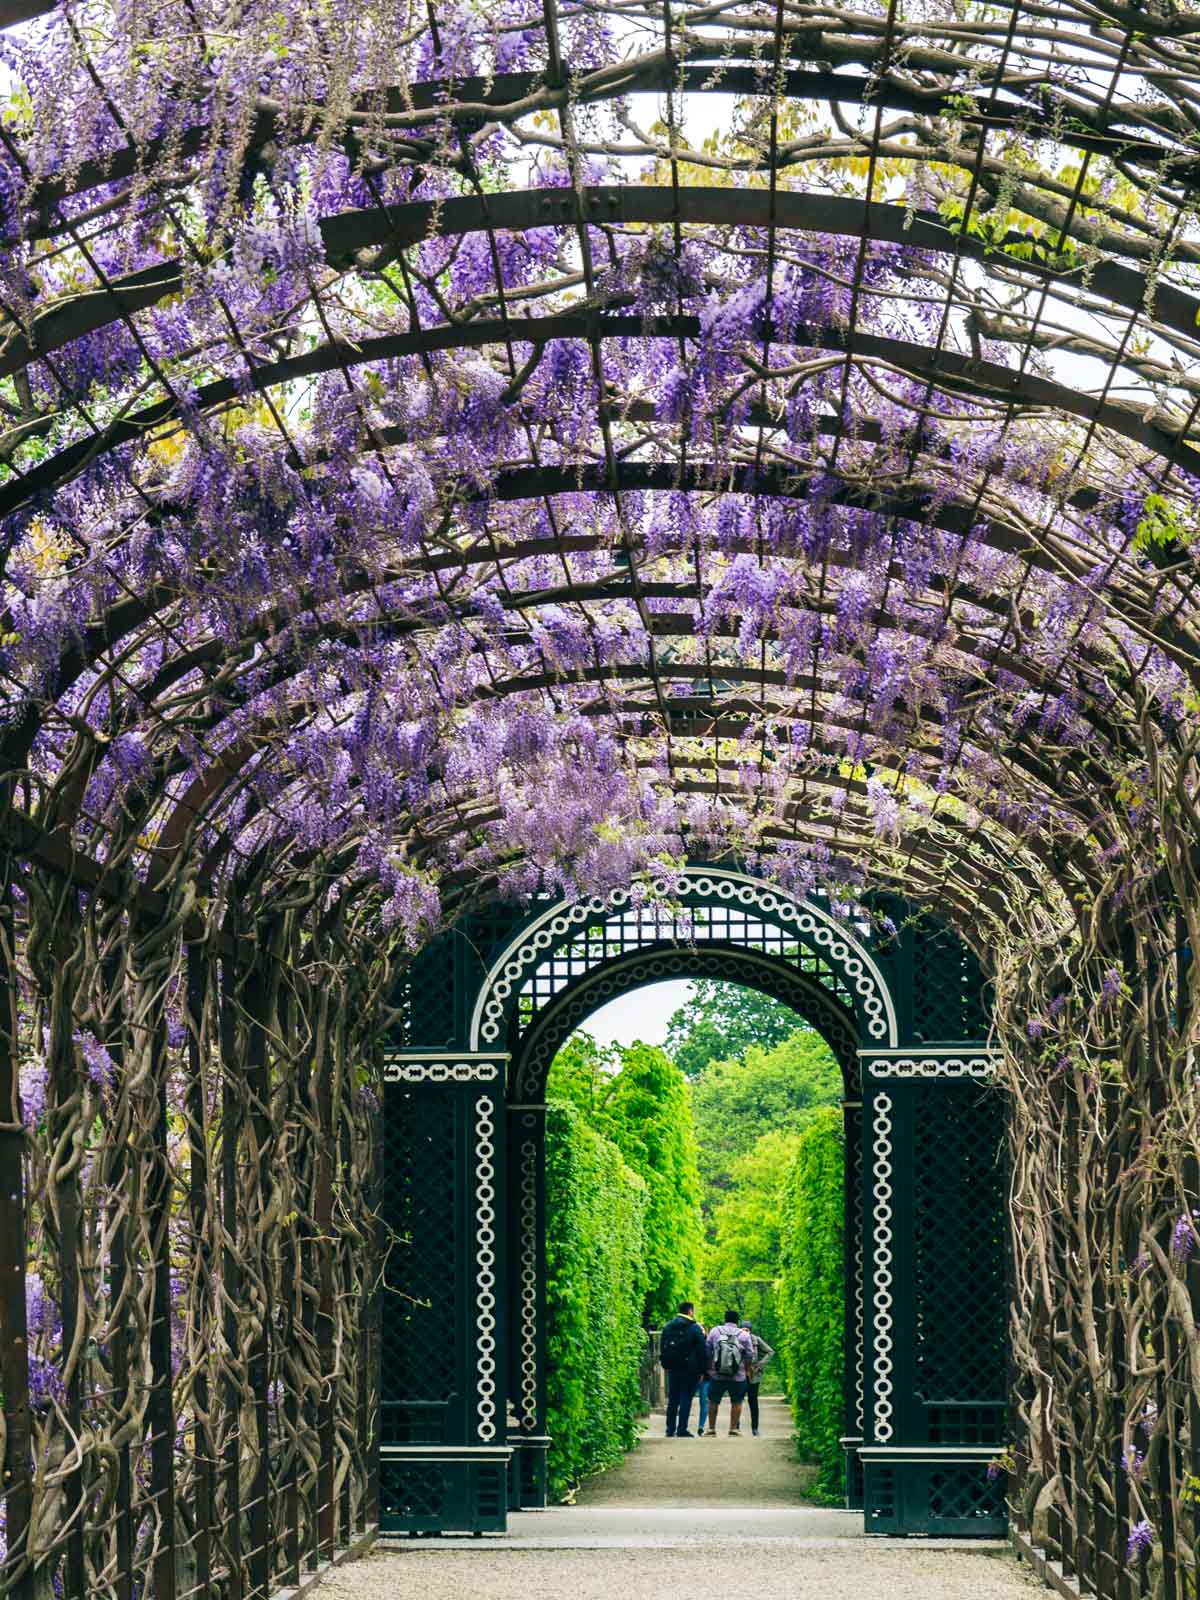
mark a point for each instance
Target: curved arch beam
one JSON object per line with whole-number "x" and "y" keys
{"x": 506, "y": 96}
{"x": 402, "y": 226}
{"x": 523, "y": 483}
{"x": 769, "y": 975}
{"x": 615, "y": 900}
{"x": 947, "y": 367}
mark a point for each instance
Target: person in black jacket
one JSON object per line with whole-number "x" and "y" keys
{"x": 682, "y": 1353}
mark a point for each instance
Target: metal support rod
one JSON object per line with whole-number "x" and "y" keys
{"x": 14, "y": 1340}
{"x": 198, "y": 1150}
{"x": 231, "y": 1272}
{"x": 260, "y": 1560}
{"x": 325, "y": 1304}
{"x": 116, "y": 1042}
{"x": 160, "y": 1410}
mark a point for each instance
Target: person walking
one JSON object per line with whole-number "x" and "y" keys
{"x": 730, "y": 1358}
{"x": 681, "y": 1351}
{"x": 762, "y": 1354}
{"x": 702, "y": 1388}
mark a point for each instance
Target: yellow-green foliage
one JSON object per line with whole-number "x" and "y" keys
{"x": 595, "y": 1287}
{"x": 810, "y": 1295}
{"x": 637, "y": 1097}
{"x": 649, "y": 1117}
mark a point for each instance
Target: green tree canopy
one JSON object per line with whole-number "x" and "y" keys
{"x": 644, "y": 1109}
{"x": 721, "y": 1021}
{"x": 582, "y": 1072}
{"x": 767, "y": 1090}
{"x": 747, "y": 1222}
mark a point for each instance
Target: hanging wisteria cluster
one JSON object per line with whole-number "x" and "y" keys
{"x": 465, "y": 451}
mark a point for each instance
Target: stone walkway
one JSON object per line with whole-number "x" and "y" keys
{"x": 713, "y": 1519}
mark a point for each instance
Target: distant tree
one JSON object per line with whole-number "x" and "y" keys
{"x": 721, "y": 1021}
{"x": 748, "y": 1221}
{"x": 582, "y": 1072}
{"x": 775, "y": 1090}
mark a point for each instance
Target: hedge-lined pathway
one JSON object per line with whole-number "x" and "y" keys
{"x": 699, "y": 1517}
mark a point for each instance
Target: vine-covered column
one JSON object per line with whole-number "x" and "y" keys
{"x": 444, "y": 1451}
{"x": 14, "y": 1347}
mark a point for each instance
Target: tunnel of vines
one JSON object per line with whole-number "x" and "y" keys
{"x": 468, "y": 473}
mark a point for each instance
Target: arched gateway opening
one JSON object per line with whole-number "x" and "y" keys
{"x": 486, "y": 1008}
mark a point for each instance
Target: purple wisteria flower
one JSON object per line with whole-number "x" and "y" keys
{"x": 1141, "y": 1537}
{"x": 34, "y": 1080}
{"x": 1183, "y": 1235}
{"x": 101, "y": 1068}
{"x": 1133, "y": 1460}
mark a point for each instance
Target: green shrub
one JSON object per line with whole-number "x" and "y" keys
{"x": 637, "y": 1097}
{"x": 648, "y": 1116}
{"x": 595, "y": 1288}
{"x": 810, "y": 1297}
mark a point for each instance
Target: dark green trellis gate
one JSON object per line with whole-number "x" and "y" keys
{"x": 487, "y": 1006}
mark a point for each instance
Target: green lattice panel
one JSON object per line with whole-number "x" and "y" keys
{"x": 442, "y": 1496}
{"x": 951, "y": 1500}
{"x": 420, "y": 1357}
{"x": 607, "y": 937}
{"x": 958, "y": 1248}
{"x": 426, "y": 998}
{"x": 949, "y": 998}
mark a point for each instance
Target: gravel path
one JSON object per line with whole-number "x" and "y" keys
{"x": 751, "y": 1571}
{"x": 701, "y": 1516}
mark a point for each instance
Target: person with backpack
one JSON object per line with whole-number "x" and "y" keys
{"x": 762, "y": 1354}
{"x": 682, "y": 1353}
{"x": 730, "y": 1360}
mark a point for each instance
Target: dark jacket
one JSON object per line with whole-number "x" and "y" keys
{"x": 695, "y": 1356}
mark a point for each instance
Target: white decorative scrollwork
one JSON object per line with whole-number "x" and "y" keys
{"x": 974, "y": 1066}
{"x": 529, "y": 1286}
{"x": 804, "y": 994}
{"x": 859, "y": 1313}
{"x": 840, "y": 947}
{"x": 881, "y": 1299}
{"x": 485, "y": 1266}
{"x": 401, "y": 1071}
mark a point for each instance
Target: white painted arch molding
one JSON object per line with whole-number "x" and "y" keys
{"x": 836, "y": 941}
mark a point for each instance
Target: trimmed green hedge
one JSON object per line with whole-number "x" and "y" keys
{"x": 810, "y": 1297}
{"x": 595, "y": 1287}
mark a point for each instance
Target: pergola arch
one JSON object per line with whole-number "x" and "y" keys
{"x": 947, "y": 368}
{"x": 352, "y": 398}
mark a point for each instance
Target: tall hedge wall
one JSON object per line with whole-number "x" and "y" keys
{"x": 595, "y": 1285}
{"x": 809, "y": 1302}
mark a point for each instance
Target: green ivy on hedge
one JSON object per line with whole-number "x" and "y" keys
{"x": 595, "y": 1288}
{"x": 636, "y": 1096}
{"x": 810, "y": 1297}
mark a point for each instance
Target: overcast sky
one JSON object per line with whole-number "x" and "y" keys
{"x": 642, "y": 1014}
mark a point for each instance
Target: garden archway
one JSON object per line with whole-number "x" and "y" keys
{"x": 904, "y": 1013}
{"x": 424, "y": 479}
